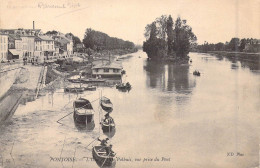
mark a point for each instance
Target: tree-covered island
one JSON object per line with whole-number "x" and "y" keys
{"x": 168, "y": 40}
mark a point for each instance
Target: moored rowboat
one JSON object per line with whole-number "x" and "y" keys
{"x": 83, "y": 111}
{"x": 108, "y": 124}
{"x": 101, "y": 157}
{"x": 106, "y": 104}
{"x": 90, "y": 88}
{"x": 74, "y": 89}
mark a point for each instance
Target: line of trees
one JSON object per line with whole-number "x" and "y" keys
{"x": 166, "y": 38}
{"x": 97, "y": 41}
{"x": 235, "y": 44}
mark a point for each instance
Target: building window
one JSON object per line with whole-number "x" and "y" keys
{"x": 106, "y": 70}
{"x": 96, "y": 70}
{"x": 115, "y": 70}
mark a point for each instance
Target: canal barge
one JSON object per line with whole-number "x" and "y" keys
{"x": 83, "y": 111}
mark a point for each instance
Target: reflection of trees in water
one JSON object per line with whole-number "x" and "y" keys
{"x": 251, "y": 64}
{"x": 169, "y": 77}
{"x": 245, "y": 63}
{"x": 154, "y": 72}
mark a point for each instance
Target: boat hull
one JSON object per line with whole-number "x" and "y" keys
{"x": 83, "y": 119}
{"x": 92, "y": 80}
{"x": 106, "y": 108}
{"x": 90, "y": 88}
{"x": 108, "y": 128}
{"x": 123, "y": 87}
{"x": 74, "y": 90}
{"x": 74, "y": 80}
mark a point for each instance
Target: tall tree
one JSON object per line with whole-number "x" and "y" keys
{"x": 183, "y": 37}
{"x": 100, "y": 41}
{"x": 234, "y": 44}
{"x": 147, "y": 31}
{"x": 170, "y": 34}
{"x": 53, "y": 32}
{"x": 242, "y": 44}
{"x": 161, "y": 25}
{"x": 179, "y": 37}
{"x": 153, "y": 31}
{"x": 75, "y": 39}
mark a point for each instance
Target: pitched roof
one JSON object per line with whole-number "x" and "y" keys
{"x": 24, "y": 32}
{"x": 46, "y": 38}
{"x": 112, "y": 65}
{"x": 14, "y": 36}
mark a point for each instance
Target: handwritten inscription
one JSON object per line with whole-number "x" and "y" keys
{"x": 45, "y": 5}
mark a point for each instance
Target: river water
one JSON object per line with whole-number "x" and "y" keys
{"x": 170, "y": 118}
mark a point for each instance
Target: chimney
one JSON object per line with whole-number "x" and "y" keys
{"x": 33, "y": 24}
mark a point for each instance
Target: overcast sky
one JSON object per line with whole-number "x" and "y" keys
{"x": 211, "y": 20}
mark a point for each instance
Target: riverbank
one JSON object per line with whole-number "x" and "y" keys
{"x": 83, "y": 63}
{"x": 33, "y": 81}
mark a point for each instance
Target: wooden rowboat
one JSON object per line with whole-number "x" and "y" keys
{"x": 106, "y": 104}
{"x": 101, "y": 157}
{"x": 74, "y": 89}
{"x": 90, "y": 88}
{"x": 108, "y": 124}
{"x": 123, "y": 86}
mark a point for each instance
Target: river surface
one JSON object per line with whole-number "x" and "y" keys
{"x": 170, "y": 118}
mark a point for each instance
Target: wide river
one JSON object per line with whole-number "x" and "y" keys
{"x": 170, "y": 119}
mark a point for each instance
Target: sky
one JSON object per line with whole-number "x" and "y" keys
{"x": 211, "y": 20}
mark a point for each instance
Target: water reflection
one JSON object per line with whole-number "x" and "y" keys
{"x": 244, "y": 63}
{"x": 84, "y": 127}
{"x": 169, "y": 77}
{"x": 167, "y": 104}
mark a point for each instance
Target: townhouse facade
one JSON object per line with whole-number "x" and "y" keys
{"x": 44, "y": 48}
{"x": 15, "y": 47}
{"x": 33, "y": 45}
{"x": 4, "y": 47}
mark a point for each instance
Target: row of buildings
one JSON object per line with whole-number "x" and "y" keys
{"x": 33, "y": 45}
